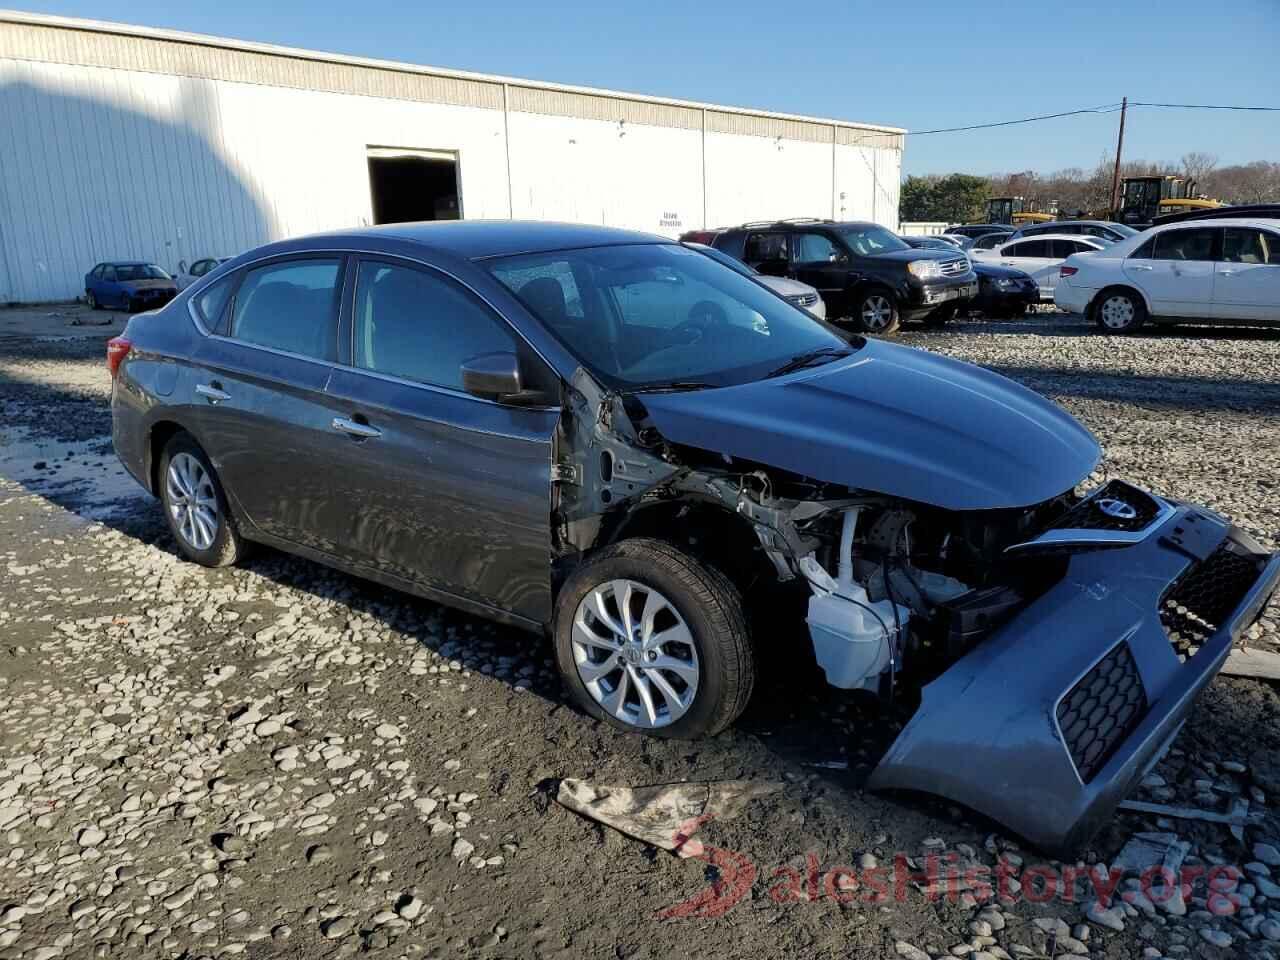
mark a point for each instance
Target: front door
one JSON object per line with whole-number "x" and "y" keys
{"x": 1034, "y": 257}
{"x": 1175, "y": 269}
{"x": 1247, "y": 279}
{"x": 440, "y": 488}
{"x": 817, "y": 261}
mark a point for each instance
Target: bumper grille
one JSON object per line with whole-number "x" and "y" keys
{"x": 1090, "y": 515}
{"x": 954, "y": 268}
{"x": 805, "y": 300}
{"x": 1101, "y": 710}
{"x": 1198, "y": 602}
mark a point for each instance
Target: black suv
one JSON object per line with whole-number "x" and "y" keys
{"x": 864, "y": 272}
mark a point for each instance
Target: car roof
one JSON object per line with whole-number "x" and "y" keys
{"x": 1083, "y": 223}
{"x": 480, "y": 239}
{"x": 1073, "y": 237}
{"x": 127, "y": 263}
{"x": 1271, "y": 223}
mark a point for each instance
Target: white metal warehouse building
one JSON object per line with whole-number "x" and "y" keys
{"x": 121, "y": 142}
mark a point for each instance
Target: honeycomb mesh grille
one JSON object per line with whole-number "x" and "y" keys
{"x": 1101, "y": 710}
{"x": 1198, "y": 603}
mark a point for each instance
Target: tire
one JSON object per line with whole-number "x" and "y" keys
{"x": 205, "y": 536}
{"x": 695, "y": 606}
{"x": 941, "y": 317}
{"x": 1119, "y": 311}
{"x": 91, "y": 300}
{"x": 876, "y": 311}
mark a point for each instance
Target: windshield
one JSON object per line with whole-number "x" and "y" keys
{"x": 654, "y": 315}
{"x": 733, "y": 263}
{"x": 867, "y": 241}
{"x": 140, "y": 271}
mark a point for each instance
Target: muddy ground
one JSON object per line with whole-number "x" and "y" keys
{"x": 281, "y": 760}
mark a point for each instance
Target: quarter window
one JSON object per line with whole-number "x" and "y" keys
{"x": 420, "y": 326}
{"x": 814, "y": 248}
{"x": 289, "y": 306}
{"x": 211, "y": 301}
{"x": 1185, "y": 244}
{"x": 1246, "y": 245}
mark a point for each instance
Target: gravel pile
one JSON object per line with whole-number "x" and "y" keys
{"x": 281, "y": 759}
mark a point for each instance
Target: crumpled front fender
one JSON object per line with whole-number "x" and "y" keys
{"x": 989, "y": 732}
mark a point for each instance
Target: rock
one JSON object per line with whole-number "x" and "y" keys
{"x": 1267, "y": 854}
{"x": 281, "y": 931}
{"x": 1110, "y": 917}
{"x": 1270, "y": 930}
{"x": 409, "y": 907}
{"x": 268, "y": 728}
{"x": 230, "y": 844}
{"x": 337, "y": 928}
{"x": 246, "y": 717}
{"x": 1215, "y": 937}
{"x": 980, "y": 928}
{"x": 909, "y": 951}
{"x": 90, "y": 836}
{"x": 1152, "y": 851}
{"x": 320, "y": 853}
{"x": 387, "y": 731}
{"x": 463, "y": 848}
{"x": 1053, "y": 925}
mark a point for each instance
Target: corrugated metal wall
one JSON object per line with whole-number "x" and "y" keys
{"x": 131, "y": 147}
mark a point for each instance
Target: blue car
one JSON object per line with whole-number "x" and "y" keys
{"x": 129, "y": 285}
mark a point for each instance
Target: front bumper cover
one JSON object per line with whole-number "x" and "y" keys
{"x": 989, "y": 731}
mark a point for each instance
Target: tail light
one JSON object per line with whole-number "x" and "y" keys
{"x": 117, "y": 349}
{"x": 1069, "y": 271}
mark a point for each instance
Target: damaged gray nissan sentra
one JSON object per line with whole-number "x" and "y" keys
{"x": 613, "y": 439}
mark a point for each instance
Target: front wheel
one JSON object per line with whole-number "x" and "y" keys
{"x": 650, "y": 640}
{"x": 1120, "y": 311}
{"x": 877, "y": 312}
{"x": 91, "y": 300}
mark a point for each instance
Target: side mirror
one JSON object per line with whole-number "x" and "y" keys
{"x": 496, "y": 376}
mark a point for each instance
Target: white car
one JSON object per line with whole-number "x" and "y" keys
{"x": 186, "y": 276}
{"x": 1223, "y": 270}
{"x": 793, "y": 291}
{"x": 1040, "y": 256}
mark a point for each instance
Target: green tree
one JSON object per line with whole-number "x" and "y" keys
{"x": 916, "y": 202}
{"x": 955, "y": 198}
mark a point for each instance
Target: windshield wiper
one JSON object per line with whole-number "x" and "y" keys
{"x": 801, "y": 360}
{"x": 673, "y": 385}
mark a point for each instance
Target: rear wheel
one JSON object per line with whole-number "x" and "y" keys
{"x": 195, "y": 505}
{"x": 1119, "y": 311}
{"x": 877, "y": 312}
{"x": 650, "y": 640}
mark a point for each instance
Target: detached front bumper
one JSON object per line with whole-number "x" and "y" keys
{"x": 1051, "y": 721}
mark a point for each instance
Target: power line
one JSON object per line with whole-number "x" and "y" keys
{"x": 1103, "y": 109}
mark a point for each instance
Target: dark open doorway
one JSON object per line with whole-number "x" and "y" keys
{"x": 408, "y": 185}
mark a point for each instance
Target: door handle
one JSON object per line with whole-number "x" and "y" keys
{"x": 212, "y": 392}
{"x": 1141, "y": 266}
{"x": 353, "y": 428}
{"x": 1226, "y": 273}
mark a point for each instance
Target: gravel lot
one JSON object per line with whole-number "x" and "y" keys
{"x": 282, "y": 760}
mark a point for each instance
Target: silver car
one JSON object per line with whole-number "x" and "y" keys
{"x": 793, "y": 291}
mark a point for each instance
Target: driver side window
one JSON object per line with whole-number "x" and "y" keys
{"x": 814, "y": 248}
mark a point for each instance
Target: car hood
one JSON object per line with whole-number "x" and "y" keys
{"x": 785, "y": 286}
{"x": 919, "y": 253}
{"x": 893, "y": 420}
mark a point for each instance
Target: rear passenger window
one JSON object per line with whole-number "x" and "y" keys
{"x": 1247, "y": 245}
{"x": 1185, "y": 244}
{"x": 211, "y": 301}
{"x": 1030, "y": 248}
{"x": 765, "y": 246}
{"x": 420, "y": 326}
{"x": 290, "y": 306}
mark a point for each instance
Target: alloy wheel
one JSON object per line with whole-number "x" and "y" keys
{"x": 876, "y": 312}
{"x": 193, "y": 501}
{"x": 1117, "y": 313}
{"x": 635, "y": 654}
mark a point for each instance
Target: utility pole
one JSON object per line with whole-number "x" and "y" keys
{"x": 1115, "y": 176}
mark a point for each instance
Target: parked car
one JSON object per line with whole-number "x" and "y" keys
{"x": 1040, "y": 256}
{"x": 1217, "y": 270}
{"x": 128, "y": 284}
{"x": 792, "y": 291}
{"x": 556, "y": 457}
{"x": 928, "y": 243}
{"x": 1102, "y": 229}
{"x": 1004, "y": 293}
{"x": 186, "y": 276}
{"x": 988, "y": 241}
{"x": 863, "y": 271}
{"x": 976, "y": 230}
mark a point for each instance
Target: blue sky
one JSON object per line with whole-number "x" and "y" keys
{"x": 918, "y": 64}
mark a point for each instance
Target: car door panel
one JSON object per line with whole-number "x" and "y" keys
{"x": 1176, "y": 272}
{"x": 454, "y": 493}
{"x": 1042, "y": 269}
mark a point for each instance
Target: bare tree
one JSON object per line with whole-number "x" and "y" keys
{"x": 1197, "y": 165}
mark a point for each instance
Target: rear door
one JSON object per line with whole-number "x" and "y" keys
{"x": 1175, "y": 269}
{"x": 768, "y": 252}
{"x": 1247, "y": 279}
{"x": 1035, "y": 257}
{"x": 257, "y": 400}
{"x": 441, "y": 488}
